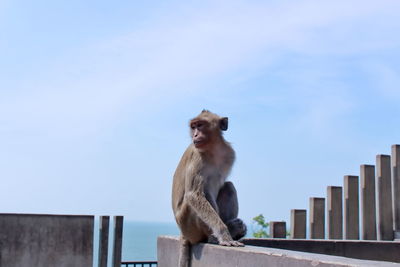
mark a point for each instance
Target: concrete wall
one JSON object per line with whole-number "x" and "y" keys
{"x": 207, "y": 255}
{"x": 366, "y": 250}
{"x": 28, "y": 240}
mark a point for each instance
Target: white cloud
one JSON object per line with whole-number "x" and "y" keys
{"x": 176, "y": 53}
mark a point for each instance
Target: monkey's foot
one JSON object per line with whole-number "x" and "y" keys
{"x": 228, "y": 243}
{"x": 231, "y": 243}
{"x": 237, "y": 228}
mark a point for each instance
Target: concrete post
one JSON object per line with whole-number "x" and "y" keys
{"x": 117, "y": 247}
{"x": 385, "y": 209}
{"x": 368, "y": 202}
{"x": 335, "y": 212}
{"x": 277, "y": 229}
{"x": 351, "y": 208}
{"x": 298, "y": 224}
{"x": 103, "y": 240}
{"x": 396, "y": 189}
{"x": 317, "y": 218}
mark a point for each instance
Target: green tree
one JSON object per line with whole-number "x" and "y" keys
{"x": 261, "y": 225}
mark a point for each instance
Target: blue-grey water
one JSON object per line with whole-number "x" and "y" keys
{"x": 139, "y": 241}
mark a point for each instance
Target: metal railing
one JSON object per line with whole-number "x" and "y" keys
{"x": 138, "y": 263}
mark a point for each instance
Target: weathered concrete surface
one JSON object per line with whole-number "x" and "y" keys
{"x": 207, "y": 255}
{"x": 28, "y": 240}
{"x": 365, "y": 250}
{"x": 103, "y": 240}
{"x": 317, "y": 218}
{"x": 277, "y": 229}
{"x": 396, "y": 189}
{"x": 298, "y": 223}
{"x": 335, "y": 212}
{"x": 351, "y": 208}
{"x": 368, "y": 202}
{"x": 385, "y": 204}
{"x": 117, "y": 244}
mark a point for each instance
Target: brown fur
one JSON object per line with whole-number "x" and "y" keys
{"x": 200, "y": 195}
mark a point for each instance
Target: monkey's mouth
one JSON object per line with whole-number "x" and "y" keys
{"x": 198, "y": 143}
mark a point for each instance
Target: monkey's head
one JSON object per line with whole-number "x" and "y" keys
{"x": 206, "y": 128}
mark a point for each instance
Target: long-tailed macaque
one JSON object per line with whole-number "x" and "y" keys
{"x": 204, "y": 204}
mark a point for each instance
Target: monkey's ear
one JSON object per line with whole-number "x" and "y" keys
{"x": 223, "y": 123}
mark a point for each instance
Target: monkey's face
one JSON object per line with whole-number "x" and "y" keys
{"x": 200, "y": 133}
{"x": 206, "y": 128}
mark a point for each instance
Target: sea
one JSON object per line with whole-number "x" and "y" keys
{"x": 139, "y": 240}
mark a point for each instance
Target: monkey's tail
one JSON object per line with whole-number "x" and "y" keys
{"x": 184, "y": 253}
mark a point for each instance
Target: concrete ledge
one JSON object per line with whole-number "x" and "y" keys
{"x": 207, "y": 255}
{"x": 358, "y": 249}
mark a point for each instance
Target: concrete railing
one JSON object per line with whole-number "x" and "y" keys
{"x": 366, "y": 207}
{"x": 208, "y": 255}
{"x": 46, "y": 240}
{"x": 56, "y": 240}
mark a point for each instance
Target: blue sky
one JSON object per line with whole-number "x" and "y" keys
{"x": 95, "y": 97}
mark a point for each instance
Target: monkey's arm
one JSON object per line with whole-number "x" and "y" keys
{"x": 196, "y": 198}
{"x": 198, "y": 202}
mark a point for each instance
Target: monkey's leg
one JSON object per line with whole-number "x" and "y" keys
{"x": 227, "y": 202}
{"x": 207, "y": 214}
{"x": 184, "y": 252}
{"x": 228, "y": 206}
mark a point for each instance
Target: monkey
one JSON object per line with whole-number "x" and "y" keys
{"x": 205, "y": 205}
